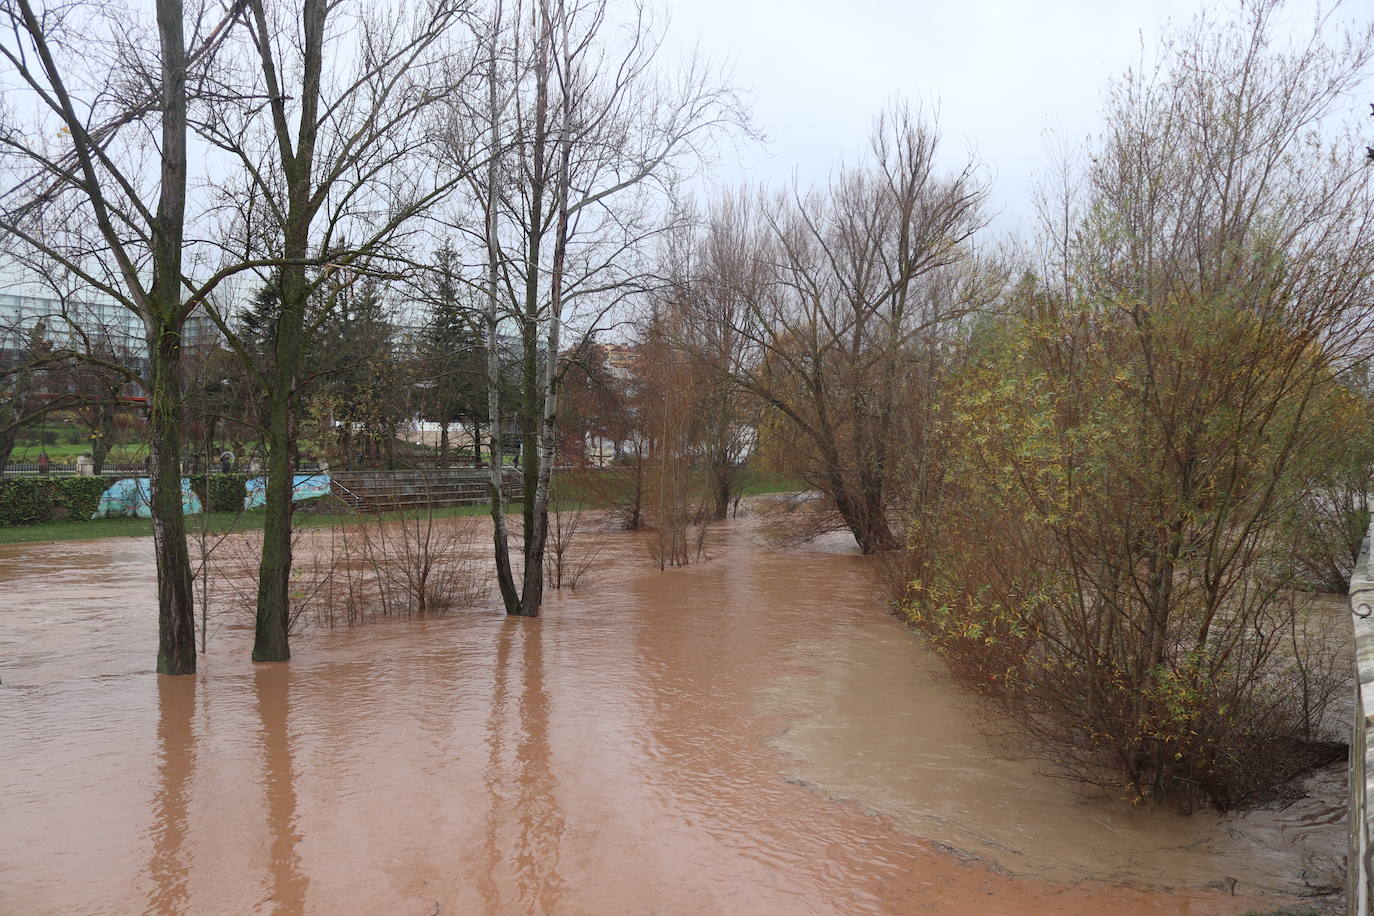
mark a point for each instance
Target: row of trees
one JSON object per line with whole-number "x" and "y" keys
{"x": 540, "y": 137}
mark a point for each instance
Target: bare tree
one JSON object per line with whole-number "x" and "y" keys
{"x": 332, "y": 170}
{"x": 585, "y": 134}
{"x": 838, "y": 303}
{"x": 85, "y": 198}
{"x": 704, "y": 310}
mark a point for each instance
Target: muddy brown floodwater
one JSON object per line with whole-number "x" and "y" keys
{"x": 747, "y": 736}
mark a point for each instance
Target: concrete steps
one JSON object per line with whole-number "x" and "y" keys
{"x": 389, "y": 491}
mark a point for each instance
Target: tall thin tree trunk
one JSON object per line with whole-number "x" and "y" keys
{"x": 532, "y": 381}
{"x": 176, "y": 646}
{"x": 270, "y": 643}
{"x": 500, "y": 539}
{"x": 270, "y": 639}
{"x": 540, "y": 473}
{"x": 176, "y": 651}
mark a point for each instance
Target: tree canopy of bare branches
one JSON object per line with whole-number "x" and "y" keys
{"x": 838, "y": 305}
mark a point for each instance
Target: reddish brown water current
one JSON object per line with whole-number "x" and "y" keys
{"x": 677, "y": 742}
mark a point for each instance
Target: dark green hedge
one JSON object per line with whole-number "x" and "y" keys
{"x": 226, "y": 491}
{"x": 31, "y": 500}
{"x": 80, "y": 496}
{"x": 26, "y": 500}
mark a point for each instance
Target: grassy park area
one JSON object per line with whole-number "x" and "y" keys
{"x": 756, "y": 483}
{"x": 216, "y": 522}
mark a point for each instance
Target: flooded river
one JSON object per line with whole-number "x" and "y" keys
{"x": 747, "y": 736}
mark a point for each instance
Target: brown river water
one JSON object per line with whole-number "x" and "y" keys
{"x": 752, "y": 735}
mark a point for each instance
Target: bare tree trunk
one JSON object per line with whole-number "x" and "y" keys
{"x": 131, "y": 253}
{"x": 500, "y": 539}
{"x": 270, "y": 643}
{"x": 104, "y": 428}
{"x": 270, "y": 640}
{"x": 532, "y": 595}
{"x": 176, "y": 651}
{"x": 533, "y": 407}
{"x": 722, "y": 489}
{"x": 176, "y": 646}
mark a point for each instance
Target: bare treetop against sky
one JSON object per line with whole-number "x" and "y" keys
{"x": 1003, "y": 74}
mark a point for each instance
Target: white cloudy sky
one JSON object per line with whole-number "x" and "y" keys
{"x": 1002, "y": 72}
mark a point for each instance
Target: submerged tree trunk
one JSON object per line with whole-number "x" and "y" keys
{"x": 270, "y": 643}
{"x": 176, "y": 647}
{"x": 500, "y": 539}
{"x": 722, "y": 490}
{"x": 270, "y": 639}
{"x": 176, "y": 651}
{"x": 133, "y": 238}
{"x": 532, "y": 596}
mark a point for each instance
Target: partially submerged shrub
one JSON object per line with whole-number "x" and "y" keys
{"x": 400, "y": 565}
{"x": 1106, "y": 560}
{"x": 221, "y": 492}
{"x": 1109, "y": 553}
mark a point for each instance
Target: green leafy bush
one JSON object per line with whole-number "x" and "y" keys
{"x": 32, "y": 500}
{"x": 80, "y": 496}
{"x": 220, "y": 492}
{"x": 25, "y": 500}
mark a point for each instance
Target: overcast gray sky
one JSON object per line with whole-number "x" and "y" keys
{"x": 1002, "y": 73}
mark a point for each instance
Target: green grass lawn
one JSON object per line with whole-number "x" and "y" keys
{"x": 757, "y": 483}
{"x": 67, "y": 453}
{"x": 215, "y": 523}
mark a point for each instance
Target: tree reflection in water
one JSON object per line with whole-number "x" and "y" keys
{"x": 169, "y": 864}
{"x": 525, "y": 823}
{"x": 272, "y": 690}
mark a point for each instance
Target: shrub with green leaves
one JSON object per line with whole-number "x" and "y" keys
{"x": 220, "y": 492}
{"x": 32, "y": 500}
{"x": 80, "y": 496}
{"x": 25, "y": 500}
